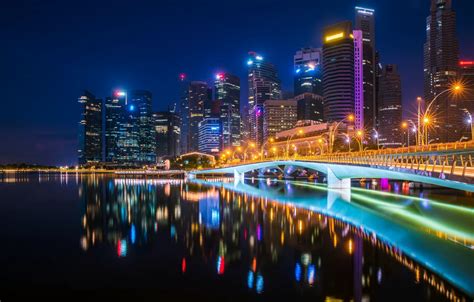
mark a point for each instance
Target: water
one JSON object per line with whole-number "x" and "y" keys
{"x": 96, "y": 237}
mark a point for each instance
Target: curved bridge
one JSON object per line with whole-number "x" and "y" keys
{"x": 339, "y": 175}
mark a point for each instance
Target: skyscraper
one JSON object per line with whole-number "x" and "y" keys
{"x": 183, "y": 112}
{"x": 263, "y": 84}
{"x": 308, "y": 71}
{"x": 440, "y": 70}
{"x": 199, "y": 99}
{"x": 365, "y": 22}
{"x": 338, "y": 71}
{"x": 210, "y": 135}
{"x": 227, "y": 94}
{"x": 90, "y": 129}
{"x": 141, "y": 100}
{"x": 467, "y": 78}
{"x": 278, "y": 115}
{"x": 167, "y": 133}
{"x": 310, "y": 107}
{"x": 114, "y": 117}
{"x": 390, "y": 108}
{"x": 359, "y": 111}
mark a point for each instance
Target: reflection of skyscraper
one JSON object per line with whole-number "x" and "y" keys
{"x": 308, "y": 71}
{"x": 90, "y": 129}
{"x": 338, "y": 71}
{"x": 142, "y": 102}
{"x": 227, "y": 93}
{"x": 209, "y": 212}
{"x": 365, "y": 22}
{"x": 440, "y": 69}
{"x": 390, "y": 107}
{"x": 264, "y": 84}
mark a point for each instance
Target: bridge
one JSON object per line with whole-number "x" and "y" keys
{"x": 445, "y": 165}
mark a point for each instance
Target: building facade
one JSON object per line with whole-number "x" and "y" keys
{"x": 390, "y": 108}
{"x": 227, "y": 96}
{"x": 359, "y": 100}
{"x": 365, "y": 22}
{"x": 114, "y": 119}
{"x": 338, "y": 71}
{"x": 467, "y": 78}
{"x": 441, "y": 58}
{"x": 199, "y": 100}
{"x": 310, "y": 107}
{"x": 141, "y": 100}
{"x": 210, "y": 133}
{"x": 90, "y": 129}
{"x": 278, "y": 115}
{"x": 167, "y": 134}
{"x": 263, "y": 84}
{"x": 307, "y": 64}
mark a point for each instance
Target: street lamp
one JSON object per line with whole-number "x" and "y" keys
{"x": 270, "y": 140}
{"x": 376, "y": 136}
{"x": 299, "y": 132}
{"x": 332, "y": 133}
{"x": 471, "y": 122}
{"x": 250, "y": 145}
{"x": 359, "y": 136}
{"x": 456, "y": 88}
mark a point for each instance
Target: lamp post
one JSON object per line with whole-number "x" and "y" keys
{"x": 348, "y": 141}
{"x": 300, "y": 131}
{"x": 455, "y": 88}
{"x": 376, "y": 136}
{"x": 359, "y": 136}
{"x": 270, "y": 140}
{"x": 332, "y": 133}
{"x": 250, "y": 145}
{"x": 471, "y": 122}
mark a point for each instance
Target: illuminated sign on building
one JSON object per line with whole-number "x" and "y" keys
{"x": 334, "y": 37}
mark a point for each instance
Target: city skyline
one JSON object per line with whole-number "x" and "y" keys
{"x": 17, "y": 126}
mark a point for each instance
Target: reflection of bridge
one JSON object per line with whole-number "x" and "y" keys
{"x": 449, "y": 165}
{"x": 447, "y": 258}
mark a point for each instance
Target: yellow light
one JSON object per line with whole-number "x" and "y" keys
{"x": 334, "y": 37}
{"x": 350, "y": 117}
{"x": 320, "y": 140}
{"x": 404, "y": 125}
{"x": 300, "y": 131}
{"x": 272, "y": 139}
{"x": 274, "y": 149}
{"x": 239, "y": 149}
{"x": 252, "y": 145}
{"x": 359, "y": 132}
{"x": 426, "y": 120}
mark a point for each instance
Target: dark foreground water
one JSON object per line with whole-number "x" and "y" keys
{"x": 98, "y": 238}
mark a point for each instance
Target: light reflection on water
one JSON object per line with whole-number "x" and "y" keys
{"x": 266, "y": 237}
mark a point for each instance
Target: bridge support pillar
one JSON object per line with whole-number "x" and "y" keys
{"x": 238, "y": 176}
{"x": 335, "y": 183}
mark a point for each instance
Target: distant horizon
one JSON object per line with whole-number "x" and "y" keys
{"x": 54, "y": 51}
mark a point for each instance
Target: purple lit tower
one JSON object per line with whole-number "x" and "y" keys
{"x": 358, "y": 80}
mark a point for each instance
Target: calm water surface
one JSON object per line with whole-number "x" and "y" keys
{"x": 69, "y": 236}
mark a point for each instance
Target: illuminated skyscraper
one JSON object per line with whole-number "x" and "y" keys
{"x": 199, "y": 100}
{"x": 227, "y": 94}
{"x": 264, "y": 84}
{"x": 441, "y": 58}
{"x": 338, "y": 71}
{"x": 308, "y": 71}
{"x": 390, "y": 108}
{"x": 210, "y": 135}
{"x": 143, "y": 123}
{"x": 90, "y": 129}
{"x": 183, "y": 112}
{"x": 359, "y": 101}
{"x": 114, "y": 118}
{"x": 467, "y": 78}
{"x": 167, "y": 133}
{"x": 310, "y": 107}
{"x": 365, "y": 22}
{"x": 278, "y": 115}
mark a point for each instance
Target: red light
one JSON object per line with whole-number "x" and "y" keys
{"x": 183, "y": 265}
{"x": 465, "y": 63}
{"x": 219, "y": 76}
{"x": 182, "y": 76}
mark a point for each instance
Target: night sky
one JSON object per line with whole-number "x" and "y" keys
{"x": 52, "y": 50}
